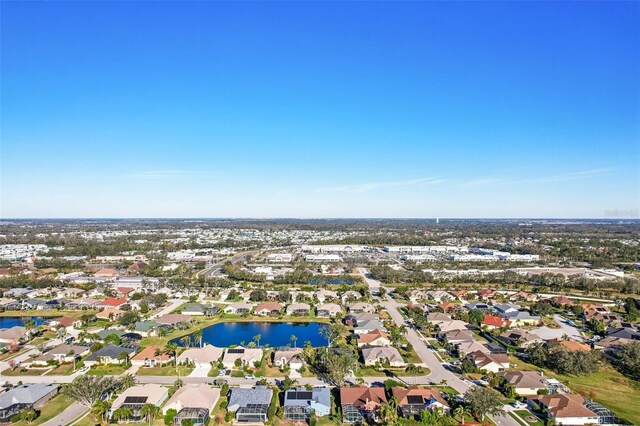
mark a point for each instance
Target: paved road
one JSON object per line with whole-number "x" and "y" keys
{"x": 71, "y": 413}
{"x": 438, "y": 372}
{"x": 548, "y": 333}
{"x": 214, "y": 269}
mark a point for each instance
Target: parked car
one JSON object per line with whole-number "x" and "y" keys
{"x": 250, "y": 377}
{"x": 519, "y": 405}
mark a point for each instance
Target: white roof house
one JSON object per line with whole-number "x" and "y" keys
{"x": 201, "y": 356}
{"x": 247, "y": 356}
{"x": 193, "y": 396}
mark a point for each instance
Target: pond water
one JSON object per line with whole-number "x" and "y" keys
{"x": 8, "y": 322}
{"x": 274, "y": 334}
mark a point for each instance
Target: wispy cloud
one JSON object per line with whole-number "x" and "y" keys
{"x": 167, "y": 174}
{"x": 363, "y": 187}
{"x": 579, "y": 175}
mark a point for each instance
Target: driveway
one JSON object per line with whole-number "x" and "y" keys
{"x": 74, "y": 411}
{"x": 200, "y": 371}
{"x": 548, "y": 333}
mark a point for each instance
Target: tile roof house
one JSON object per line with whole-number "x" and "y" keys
{"x": 250, "y": 405}
{"x": 565, "y": 409}
{"x": 106, "y": 273}
{"x": 298, "y": 309}
{"x": 361, "y": 307}
{"x": 23, "y": 397}
{"x": 415, "y": 399}
{"x": 328, "y": 310}
{"x": 526, "y": 383}
{"x": 238, "y": 308}
{"x": 382, "y": 355}
{"x": 111, "y": 302}
{"x": 268, "y": 308}
{"x": 110, "y": 314}
{"x": 299, "y": 403}
{"x": 466, "y": 347}
{"x": 174, "y": 319}
{"x": 247, "y": 356}
{"x": 151, "y": 356}
{"x": 322, "y": 295}
{"x": 201, "y": 357}
{"x": 491, "y": 322}
{"x": 359, "y": 403}
{"x": 193, "y": 401}
{"x": 137, "y": 396}
{"x": 452, "y": 325}
{"x": 13, "y": 334}
{"x": 61, "y": 353}
{"x": 569, "y": 345}
{"x": 489, "y": 362}
{"x": 457, "y": 336}
{"x": 66, "y": 322}
{"x": 286, "y": 355}
{"x": 374, "y": 338}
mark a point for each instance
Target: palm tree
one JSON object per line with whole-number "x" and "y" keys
{"x": 294, "y": 339}
{"x": 388, "y": 414}
{"x": 149, "y": 411}
{"x": 257, "y": 338}
{"x": 99, "y": 409}
{"x": 460, "y": 412}
{"x": 198, "y": 336}
{"x": 178, "y": 384}
{"x": 128, "y": 381}
{"x": 186, "y": 341}
{"x": 122, "y": 413}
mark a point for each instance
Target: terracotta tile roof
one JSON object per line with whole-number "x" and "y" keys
{"x": 113, "y": 302}
{"x": 492, "y": 320}
{"x": 565, "y": 405}
{"x": 371, "y": 336}
{"x": 269, "y": 306}
{"x": 363, "y": 397}
{"x": 150, "y": 353}
{"x": 570, "y": 345}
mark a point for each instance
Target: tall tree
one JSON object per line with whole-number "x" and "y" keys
{"x": 483, "y": 401}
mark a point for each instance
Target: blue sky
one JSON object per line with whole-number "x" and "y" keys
{"x": 320, "y": 109}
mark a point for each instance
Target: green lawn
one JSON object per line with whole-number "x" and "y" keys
{"x": 51, "y": 409}
{"x": 106, "y": 370}
{"x": 607, "y": 387}
{"x": 167, "y": 370}
{"x": 526, "y": 413}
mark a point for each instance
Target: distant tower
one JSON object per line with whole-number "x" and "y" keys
{"x": 437, "y": 220}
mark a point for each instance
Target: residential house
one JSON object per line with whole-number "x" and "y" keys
{"x": 268, "y": 308}
{"x": 353, "y": 320}
{"x": 523, "y": 296}
{"x": 106, "y": 273}
{"x": 376, "y": 337}
{"x": 137, "y": 396}
{"x": 564, "y": 409}
{"x": 299, "y": 403}
{"x": 238, "y": 308}
{"x": 110, "y": 354}
{"x": 298, "y": 309}
{"x": 383, "y": 355}
{"x": 24, "y": 397}
{"x": 481, "y": 306}
{"x": 61, "y": 354}
{"x": 193, "y": 401}
{"x": 451, "y": 325}
{"x": 491, "y": 322}
{"x": 439, "y": 295}
{"x": 201, "y": 357}
{"x": 361, "y": 307}
{"x": 525, "y": 383}
{"x": 415, "y": 399}
{"x": 347, "y": 296}
{"x": 112, "y": 302}
{"x": 462, "y": 348}
{"x": 13, "y": 335}
{"x": 323, "y": 295}
{"x": 194, "y": 309}
{"x": 148, "y": 327}
{"x": 286, "y": 356}
{"x": 247, "y": 356}
{"x": 519, "y": 337}
{"x": 359, "y": 403}
{"x": 110, "y": 314}
{"x": 368, "y": 326}
{"x": 174, "y": 320}
{"x": 67, "y": 322}
{"x": 250, "y": 405}
{"x": 489, "y": 362}
{"x": 151, "y": 356}
{"x": 328, "y": 310}
{"x": 457, "y": 336}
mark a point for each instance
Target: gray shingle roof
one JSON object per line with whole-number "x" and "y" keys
{"x": 25, "y": 394}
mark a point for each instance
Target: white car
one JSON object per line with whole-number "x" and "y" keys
{"x": 250, "y": 377}
{"x": 519, "y": 405}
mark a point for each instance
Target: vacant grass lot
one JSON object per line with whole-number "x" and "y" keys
{"x": 167, "y": 370}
